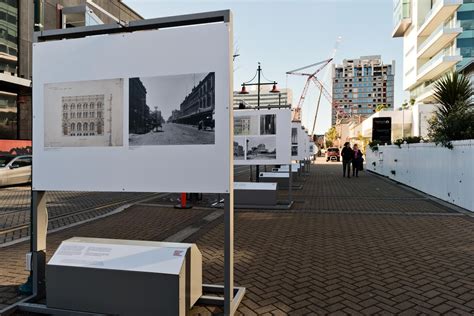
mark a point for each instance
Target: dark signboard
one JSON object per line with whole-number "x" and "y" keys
{"x": 382, "y": 129}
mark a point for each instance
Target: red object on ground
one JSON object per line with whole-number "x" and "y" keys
{"x": 183, "y": 200}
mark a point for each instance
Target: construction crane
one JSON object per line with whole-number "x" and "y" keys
{"x": 312, "y": 78}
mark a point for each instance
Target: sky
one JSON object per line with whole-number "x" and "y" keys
{"x": 287, "y": 34}
{"x": 168, "y": 92}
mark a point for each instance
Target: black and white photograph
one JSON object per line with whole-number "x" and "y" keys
{"x": 84, "y": 113}
{"x": 242, "y": 125}
{"x": 294, "y": 150}
{"x": 261, "y": 148}
{"x": 268, "y": 124}
{"x": 239, "y": 148}
{"x": 172, "y": 110}
{"x": 294, "y": 135}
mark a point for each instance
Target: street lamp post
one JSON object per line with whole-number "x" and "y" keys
{"x": 258, "y": 84}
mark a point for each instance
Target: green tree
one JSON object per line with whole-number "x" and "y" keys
{"x": 331, "y": 135}
{"x": 454, "y": 118}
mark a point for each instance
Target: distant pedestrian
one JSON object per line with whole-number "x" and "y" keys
{"x": 357, "y": 161}
{"x": 347, "y": 155}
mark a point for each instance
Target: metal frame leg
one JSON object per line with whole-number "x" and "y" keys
{"x": 229, "y": 254}
{"x": 290, "y": 186}
{"x": 39, "y": 230}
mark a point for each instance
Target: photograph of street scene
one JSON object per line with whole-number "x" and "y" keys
{"x": 261, "y": 148}
{"x": 172, "y": 110}
{"x": 239, "y": 148}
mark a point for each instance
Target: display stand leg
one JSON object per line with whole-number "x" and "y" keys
{"x": 290, "y": 186}
{"x": 228, "y": 254}
{"x": 39, "y": 229}
{"x": 257, "y": 173}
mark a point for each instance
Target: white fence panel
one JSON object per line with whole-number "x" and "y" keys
{"x": 445, "y": 173}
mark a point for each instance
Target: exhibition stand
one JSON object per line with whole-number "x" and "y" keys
{"x": 87, "y": 276}
{"x": 262, "y": 138}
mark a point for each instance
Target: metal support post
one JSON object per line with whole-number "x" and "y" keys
{"x": 39, "y": 229}
{"x": 229, "y": 254}
{"x": 290, "y": 186}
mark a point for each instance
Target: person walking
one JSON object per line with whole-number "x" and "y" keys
{"x": 356, "y": 161}
{"x": 347, "y": 155}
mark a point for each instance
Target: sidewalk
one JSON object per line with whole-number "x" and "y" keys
{"x": 355, "y": 246}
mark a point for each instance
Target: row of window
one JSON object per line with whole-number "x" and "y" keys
{"x": 362, "y": 85}
{"x": 362, "y": 100}
{"x": 83, "y": 127}
{"x": 81, "y": 115}
{"x": 348, "y": 106}
{"x": 81, "y": 106}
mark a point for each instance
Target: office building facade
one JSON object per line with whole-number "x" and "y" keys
{"x": 18, "y": 21}
{"x": 359, "y": 86}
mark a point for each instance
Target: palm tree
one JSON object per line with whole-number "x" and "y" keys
{"x": 454, "y": 118}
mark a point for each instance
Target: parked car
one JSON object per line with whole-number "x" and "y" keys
{"x": 15, "y": 169}
{"x": 333, "y": 154}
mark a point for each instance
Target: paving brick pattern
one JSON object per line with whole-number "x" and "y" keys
{"x": 64, "y": 208}
{"x": 401, "y": 259}
{"x": 139, "y": 222}
{"x": 302, "y": 264}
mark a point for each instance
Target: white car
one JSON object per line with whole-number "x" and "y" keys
{"x": 15, "y": 169}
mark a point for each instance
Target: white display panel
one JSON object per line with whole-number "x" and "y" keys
{"x": 298, "y": 148}
{"x": 262, "y": 137}
{"x": 145, "y": 257}
{"x": 171, "y": 149}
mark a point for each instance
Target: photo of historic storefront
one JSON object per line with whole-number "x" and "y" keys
{"x": 172, "y": 110}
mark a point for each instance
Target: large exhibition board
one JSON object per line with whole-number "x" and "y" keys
{"x": 262, "y": 137}
{"x": 143, "y": 111}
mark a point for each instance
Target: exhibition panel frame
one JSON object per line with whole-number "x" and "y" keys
{"x": 114, "y": 139}
{"x": 262, "y": 136}
{"x": 130, "y": 151}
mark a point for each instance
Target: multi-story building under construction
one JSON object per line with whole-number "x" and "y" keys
{"x": 360, "y": 85}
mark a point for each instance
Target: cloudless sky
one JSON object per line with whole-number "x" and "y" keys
{"x": 288, "y": 34}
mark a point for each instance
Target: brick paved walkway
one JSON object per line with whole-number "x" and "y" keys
{"x": 357, "y": 247}
{"x": 64, "y": 208}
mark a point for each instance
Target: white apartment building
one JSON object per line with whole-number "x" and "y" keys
{"x": 267, "y": 98}
{"x": 429, "y": 29}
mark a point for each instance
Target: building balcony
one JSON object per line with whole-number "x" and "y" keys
{"x": 440, "y": 38}
{"x": 424, "y": 93}
{"x": 440, "y": 11}
{"x": 401, "y": 27}
{"x": 439, "y": 64}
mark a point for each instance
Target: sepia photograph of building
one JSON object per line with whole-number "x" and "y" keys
{"x": 84, "y": 113}
{"x": 172, "y": 110}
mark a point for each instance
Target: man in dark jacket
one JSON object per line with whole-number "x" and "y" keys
{"x": 347, "y": 155}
